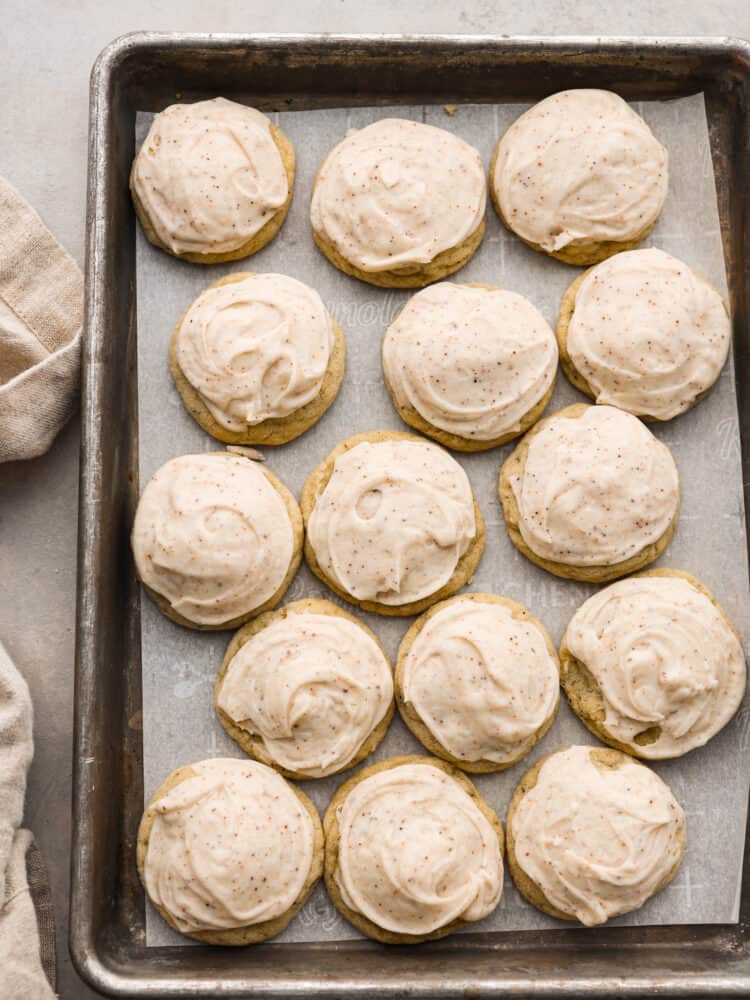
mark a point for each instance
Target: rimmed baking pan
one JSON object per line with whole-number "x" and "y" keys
{"x": 146, "y": 72}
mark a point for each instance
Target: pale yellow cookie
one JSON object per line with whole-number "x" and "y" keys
{"x": 274, "y": 430}
{"x": 417, "y": 724}
{"x": 399, "y": 203}
{"x": 297, "y": 526}
{"x": 269, "y": 228}
{"x": 604, "y": 760}
{"x": 252, "y": 743}
{"x": 587, "y": 701}
{"x": 314, "y": 488}
{"x": 332, "y": 845}
{"x": 458, "y": 442}
{"x": 579, "y": 176}
{"x": 683, "y": 376}
{"x": 589, "y": 573}
{"x": 252, "y": 933}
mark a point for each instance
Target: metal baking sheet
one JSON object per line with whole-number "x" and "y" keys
{"x": 180, "y": 665}
{"x": 108, "y": 937}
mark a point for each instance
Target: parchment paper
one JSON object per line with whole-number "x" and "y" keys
{"x": 179, "y": 665}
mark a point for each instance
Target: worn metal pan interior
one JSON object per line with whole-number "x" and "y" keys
{"x": 148, "y": 71}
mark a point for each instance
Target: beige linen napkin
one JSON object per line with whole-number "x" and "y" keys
{"x": 41, "y": 312}
{"x": 25, "y": 913}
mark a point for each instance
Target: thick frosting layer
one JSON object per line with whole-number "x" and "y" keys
{"x": 312, "y": 687}
{"x": 580, "y": 165}
{"x": 647, "y": 333}
{"x": 209, "y": 176}
{"x": 415, "y": 852}
{"x": 482, "y": 681}
{"x": 471, "y": 361}
{"x": 398, "y": 193}
{"x": 393, "y": 520}
{"x": 230, "y": 847}
{"x": 597, "y": 840}
{"x": 212, "y": 536}
{"x": 255, "y": 349}
{"x": 595, "y": 489}
{"x": 664, "y": 657}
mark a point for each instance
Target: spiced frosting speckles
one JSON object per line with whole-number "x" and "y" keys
{"x": 212, "y": 536}
{"x": 209, "y": 176}
{"x": 580, "y": 167}
{"x": 415, "y": 851}
{"x": 482, "y": 677}
{"x": 595, "y": 489}
{"x": 646, "y": 333}
{"x": 398, "y": 193}
{"x": 231, "y": 846}
{"x": 312, "y": 687}
{"x": 470, "y": 360}
{"x": 596, "y": 834}
{"x": 255, "y": 349}
{"x": 393, "y": 521}
{"x": 668, "y": 667}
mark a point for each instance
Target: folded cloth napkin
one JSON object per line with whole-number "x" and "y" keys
{"x": 27, "y": 952}
{"x": 41, "y": 313}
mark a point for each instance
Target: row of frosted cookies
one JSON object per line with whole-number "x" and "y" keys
{"x": 410, "y": 849}
{"x": 400, "y": 203}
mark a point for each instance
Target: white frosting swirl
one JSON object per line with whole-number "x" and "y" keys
{"x": 393, "y": 520}
{"x": 212, "y": 536}
{"x": 470, "y": 361}
{"x": 580, "y": 166}
{"x": 663, "y": 655}
{"x": 415, "y": 852}
{"x": 209, "y": 176}
{"x": 647, "y": 333}
{"x": 483, "y": 682}
{"x": 398, "y": 193}
{"x": 312, "y": 686}
{"x": 595, "y": 489}
{"x": 598, "y": 841}
{"x": 255, "y": 349}
{"x": 230, "y": 847}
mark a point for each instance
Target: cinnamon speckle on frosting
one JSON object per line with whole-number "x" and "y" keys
{"x": 398, "y": 192}
{"x": 312, "y": 687}
{"x": 580, "y": 166}
{"x": 209, "y": 176}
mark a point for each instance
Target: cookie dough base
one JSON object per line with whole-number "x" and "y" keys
{"x": 264, "y": 235}
{"x": 252, "y": 744}
{"x": 528, "y": 888}
{"x": 275, "y": 430}
{"x": 252, "y": 933}
{"x": 584, "y": 694}
{"x": 580, "y": 252}
{"x": 414, "y": 721}
{"x": 514, "y": 466}
{"x": 410, "y": 276}
{"x": 456, "y": 442}
{"x": 317, "y": 482}
{"x": 332, "y": 840}
{"x": 573, "y": 375}
{"x": 297, "y": 532}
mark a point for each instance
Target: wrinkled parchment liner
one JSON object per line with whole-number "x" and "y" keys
{"x": 179, "y": 666}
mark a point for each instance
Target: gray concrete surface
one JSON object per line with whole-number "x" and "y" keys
{"x": 47, "y": 48}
